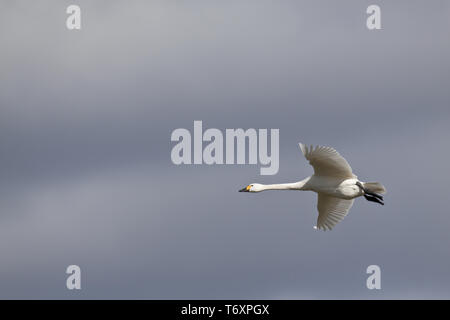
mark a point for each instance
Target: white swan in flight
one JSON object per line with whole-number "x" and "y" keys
{"x": 334, "y": 182}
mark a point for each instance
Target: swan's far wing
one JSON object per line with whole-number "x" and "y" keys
{"x": 327, "y": 162}
{"x": 331, "y": 211}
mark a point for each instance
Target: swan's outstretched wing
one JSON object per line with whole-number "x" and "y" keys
{"x": 327, "y": 162}
{"x": 331, "y": 211}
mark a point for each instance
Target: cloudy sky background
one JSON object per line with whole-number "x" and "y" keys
{"x": 85, "y": 170}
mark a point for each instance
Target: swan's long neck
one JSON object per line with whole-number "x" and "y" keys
{"x": 300, "y": 185}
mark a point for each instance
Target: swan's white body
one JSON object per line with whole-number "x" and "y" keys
{"x": 334, "y": 182}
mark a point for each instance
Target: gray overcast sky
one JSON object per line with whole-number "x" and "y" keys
{"x": 85, "y": 170}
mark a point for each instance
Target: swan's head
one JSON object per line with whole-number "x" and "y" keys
{"x": 253, "y": 187}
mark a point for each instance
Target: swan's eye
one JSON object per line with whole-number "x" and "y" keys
{"x": 248, "y": 187}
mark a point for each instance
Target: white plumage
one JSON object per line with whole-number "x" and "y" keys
{"x": 333, "y": 181}
{"x": 327, "y": 162}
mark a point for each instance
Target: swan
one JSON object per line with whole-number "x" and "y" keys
{"x": 334, "y": 183}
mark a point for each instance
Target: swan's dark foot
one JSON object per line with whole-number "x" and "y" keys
{"x": 371, "y": 196}
{"x": 373, "y": 199}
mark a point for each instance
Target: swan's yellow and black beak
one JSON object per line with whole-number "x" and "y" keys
{"x": 246, "y": 189}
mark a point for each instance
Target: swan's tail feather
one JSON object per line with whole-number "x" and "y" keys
{"x": 375, "y": 187}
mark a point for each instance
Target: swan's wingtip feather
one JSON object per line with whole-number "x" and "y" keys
{"x": 303, "y": 148}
